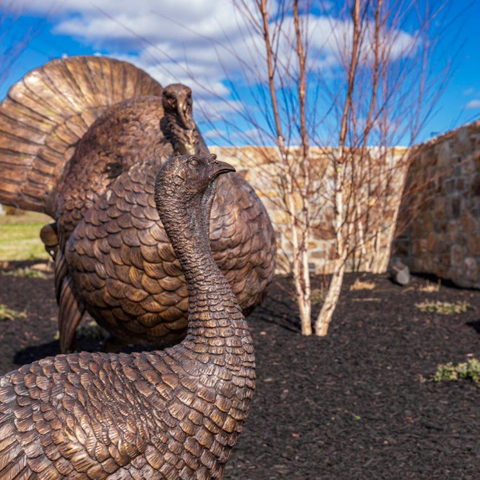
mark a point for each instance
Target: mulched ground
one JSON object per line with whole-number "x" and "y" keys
{"x": 354, "y": 405}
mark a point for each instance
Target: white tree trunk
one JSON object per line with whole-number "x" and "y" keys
{"x": 331, "y": 300}
{"x": 305, "y": 300}
{"x": 301, "y": 274}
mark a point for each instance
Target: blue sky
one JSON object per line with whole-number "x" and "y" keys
{"x": 189, "y": 30}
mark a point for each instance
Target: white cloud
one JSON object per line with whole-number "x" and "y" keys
{"x": 153, "y": 20}
{"x": 172, "y": 71}
{"x": 215, "y": 134}
{"x": 201, "y": 43}
{"x": 218, "y": 110}
{"x": 173, "y": 40}
{"x": 473, "y": 104}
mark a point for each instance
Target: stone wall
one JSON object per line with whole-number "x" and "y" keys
{"x": 433, "y": 223}
{"x": 441, "y": 214}
{"x": 380, "y": 207}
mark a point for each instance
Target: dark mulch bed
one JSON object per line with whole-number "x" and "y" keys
{"x": 352, "y": 405}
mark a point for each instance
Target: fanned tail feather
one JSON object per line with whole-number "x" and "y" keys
{"x": 47, "y": 112}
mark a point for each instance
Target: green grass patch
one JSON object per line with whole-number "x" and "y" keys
{"x": 9, "y": 314}
{"x": 20, "y": 236}
{"x": 317, "y": 296}
{"x": 25, "y": 273}
{"x": 443, "y": 308}
{"x": 469, "y": 370}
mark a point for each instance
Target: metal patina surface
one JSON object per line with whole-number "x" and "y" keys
{"x": 90, "y": 135}
{"x": 170, "y": 414}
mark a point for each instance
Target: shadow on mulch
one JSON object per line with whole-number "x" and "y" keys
{"x": 35, "y": 352}
{"x": 475, "y": 325}
{"x": 352, "y": 405}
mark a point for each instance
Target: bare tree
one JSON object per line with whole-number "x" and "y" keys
{"x": 388, "y": 98}
{"x": 379, "y": 91}
{"x": 326, "y": 97}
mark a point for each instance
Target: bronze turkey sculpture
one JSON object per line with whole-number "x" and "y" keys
{"x": 77, "y": 139}
{"x": 162, "y": 415}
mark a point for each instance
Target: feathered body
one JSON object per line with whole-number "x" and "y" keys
{"x": 123, "y": 263}
{"x": 161, "y": 415}
{"x": 124, "y": 135}
{"x": 112, "y": 255}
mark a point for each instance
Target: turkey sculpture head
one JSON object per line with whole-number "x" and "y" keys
{"x": 178, "y": 125}
{"x": 177, "y": 101}
{"x": 189, "y": 179}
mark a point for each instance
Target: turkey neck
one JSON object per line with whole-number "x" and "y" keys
{"x": 213, "y": 306}
{"x": 184, "y": 140}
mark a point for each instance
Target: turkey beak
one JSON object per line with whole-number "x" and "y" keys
{"x": 184, "y": 115}
{"x": 183, "y": 118}
{"x": 218, "y": 168}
